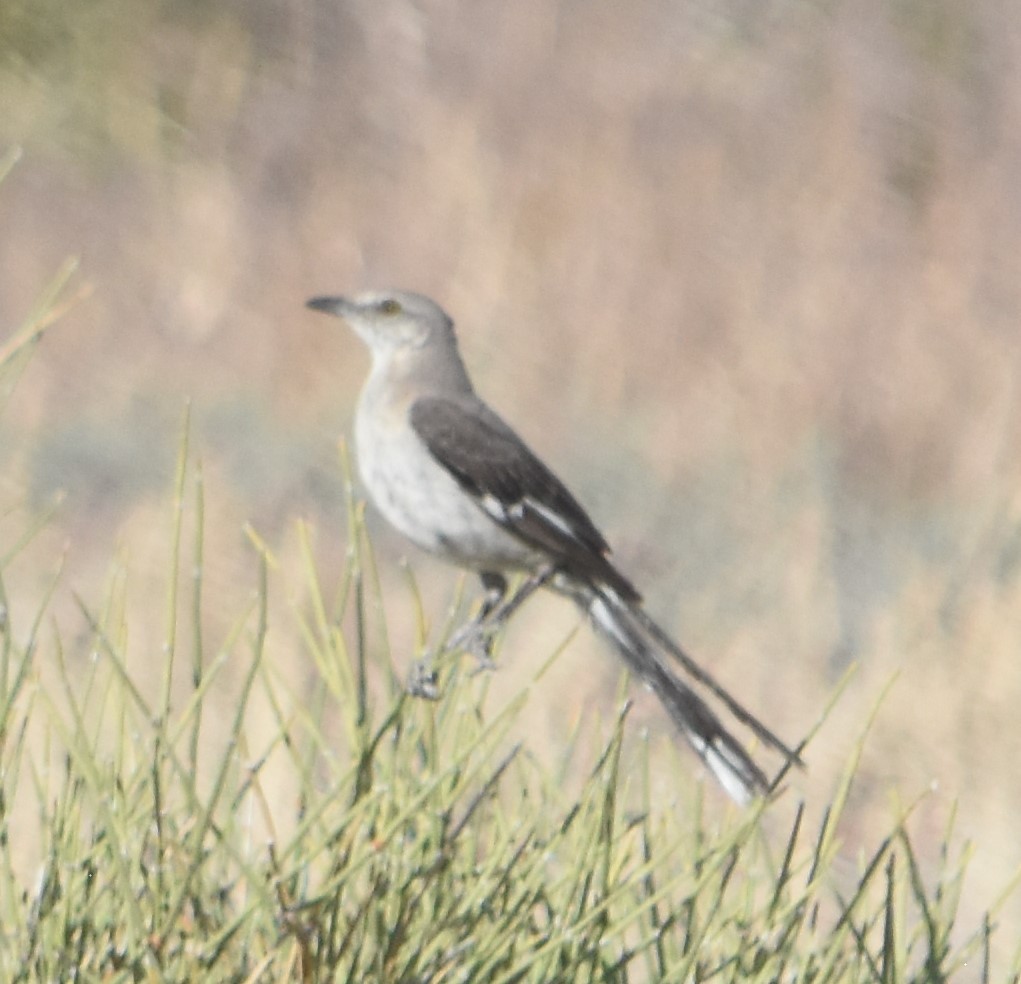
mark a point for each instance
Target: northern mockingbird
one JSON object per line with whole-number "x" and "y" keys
{"x": 448, "y": 473}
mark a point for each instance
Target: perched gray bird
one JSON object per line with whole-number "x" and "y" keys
{"x": 448, "y": 473}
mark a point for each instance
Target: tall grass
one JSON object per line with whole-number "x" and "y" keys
{"x": 422, "y": 841}
{"x": 748, "y": 275}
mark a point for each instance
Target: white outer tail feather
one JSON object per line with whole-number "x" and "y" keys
{"x": 733, "y": 768}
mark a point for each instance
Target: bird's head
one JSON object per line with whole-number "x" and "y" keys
{"x": 389, "y": 321}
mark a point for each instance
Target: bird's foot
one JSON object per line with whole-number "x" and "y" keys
{"x": 476, "y": 639}
{"x": 423, "y": 680}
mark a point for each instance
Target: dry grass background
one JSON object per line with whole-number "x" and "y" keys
{"x": 750, "y": 274}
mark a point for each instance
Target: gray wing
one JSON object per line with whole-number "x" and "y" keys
{"x": 493, "y": 465}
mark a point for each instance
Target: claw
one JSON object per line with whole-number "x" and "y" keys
{"x": 423, "y": 681}
{"x": 475, "y": 639}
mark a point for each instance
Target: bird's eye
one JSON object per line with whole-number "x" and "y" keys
{"x": 390, "y": 306}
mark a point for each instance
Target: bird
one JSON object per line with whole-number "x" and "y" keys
{"x": 446, "y": 471}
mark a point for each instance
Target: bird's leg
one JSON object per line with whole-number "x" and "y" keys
{"x": 473, "y": 636}
{"x": 495, "y": 587}
{"x": 470, "y": 636}
{"x": 476, "y": 636}
{"x": 499, "y": 613}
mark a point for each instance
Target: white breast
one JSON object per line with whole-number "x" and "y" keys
{"x": 421, "y": 499}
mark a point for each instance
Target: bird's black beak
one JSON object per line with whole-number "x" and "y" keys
{"x": 331, "y": 305}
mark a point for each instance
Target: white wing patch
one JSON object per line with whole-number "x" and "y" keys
{"x": 510, "y": 513}
{"x": 495, "y": 508}
{"x": 552, "y": 518}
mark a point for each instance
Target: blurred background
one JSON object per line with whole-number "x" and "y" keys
{"x": 748, "y": 274}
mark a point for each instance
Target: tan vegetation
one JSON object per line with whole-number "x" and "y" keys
{"x": 749, "y": 274}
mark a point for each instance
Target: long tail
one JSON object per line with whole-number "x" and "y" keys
{"x": 643, "y": 646}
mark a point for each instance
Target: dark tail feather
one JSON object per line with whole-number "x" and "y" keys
{"x": 697, "y": 673}
{"x": 642, "y": 644}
